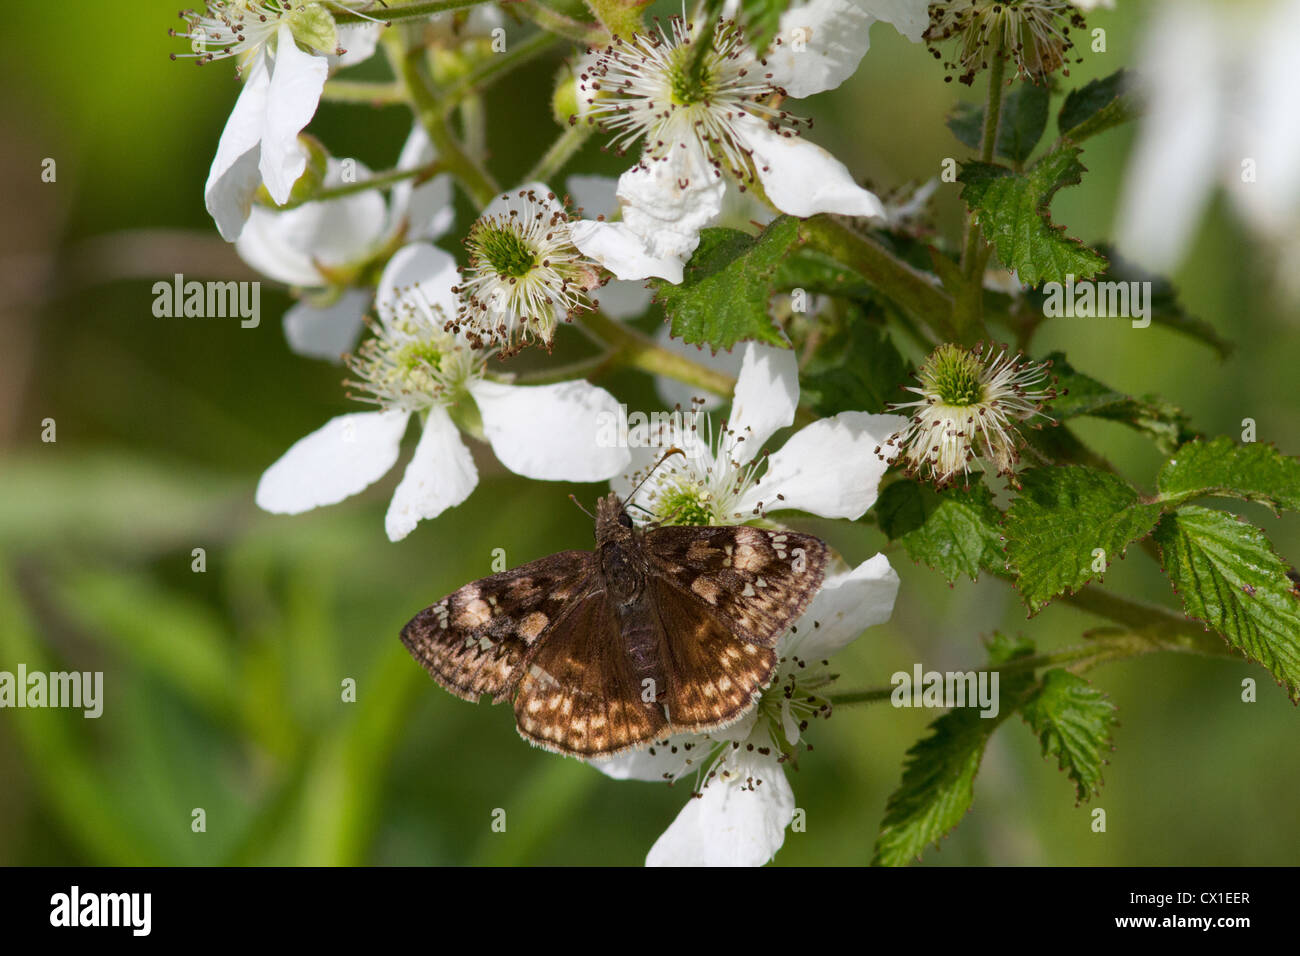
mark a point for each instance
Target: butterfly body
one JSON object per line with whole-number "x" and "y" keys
{"x": 655, "y": 632}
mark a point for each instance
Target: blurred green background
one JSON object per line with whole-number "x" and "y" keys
{"x": 223, "y": 688}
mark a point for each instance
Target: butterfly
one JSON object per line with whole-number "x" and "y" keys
{"x": 657, "y": 632}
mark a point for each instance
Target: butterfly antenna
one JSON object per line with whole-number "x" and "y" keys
{"x": 574, "y": 499}
{"x": 668, "y": 454}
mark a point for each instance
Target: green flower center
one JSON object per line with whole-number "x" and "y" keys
{"x": 692, "y": 83}
{"x": 684, "y": 504}
{"x": 954, "y": 375}
{"x": 505, "y": 249}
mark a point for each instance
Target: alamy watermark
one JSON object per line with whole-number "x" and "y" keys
{"x": 82, "y": 690}
{"x": 1087, "y": 300}
{"x": 946, "y": 690}
{"x": 208, "y": 300}
{"x": 653, "y": 430}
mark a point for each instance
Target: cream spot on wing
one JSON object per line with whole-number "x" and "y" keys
{"x": 706, "y": 589}
{"x": 724, "y": 683}
{"x": 749, "y": 590}
{"x": 748, "y": 558}
{"x": 533, "y": 625}
{"x": 474, "y": 614}
{"x": 534, "y": 705}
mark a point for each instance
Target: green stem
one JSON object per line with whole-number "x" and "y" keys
{"x": 395, "y": 13}
{"x": 564, "y": 148}
{"x": 988, "y": 143}
{"x": 554, "y": 22}
{"x": 377, "y": 181}
{"x": 363, "y": 91}
{"x": 590, "y": 368}
{"x": 912, "y": 290}
{"x": 640, "y": 351}
{"x": 431, "y": 113}
{"x": 495, "y": 67}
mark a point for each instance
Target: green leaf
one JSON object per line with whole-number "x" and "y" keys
{"x": 1255, "y": 472}
{"x": 723, "y": 296}
{"x": 1096, "y": 107}
{"x": 1229, "y": 577}
{"x": 1073, "y": 721}
{"x": 939, "y": 771}
{"x": 1080, "y": 394}
{"x": 1020, "y": 124}
{"x": 762, "y": 19}
{"x": 1012, "y": 209}
{"x": 866, "y": 378}
{"x": 1062, "y": 516}
{"x": 954, "y": 532}
{"x": 814, "y": 271}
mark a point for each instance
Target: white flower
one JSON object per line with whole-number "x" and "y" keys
{"x": 743, "y": 801}
{"x": 524, "y": 275}
{"x": 971, "y": 403}
{"x": 1218, "y": 83}
{"x": 324, "y": 245}
{"x": 694, "y": 125}
{"x": 413, "y": 366}
{"x": 287, "y": 48}
{"x": 828, "y": 468}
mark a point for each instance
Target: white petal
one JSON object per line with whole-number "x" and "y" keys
{"x": 624, "y": 300}
{"x": 730, "y": 824}
{"x": 346, "y": 455}
{"x": 440, "y": 476}
{"x": 616, "y": 247}
{"x": 667, "y": 202}
{"x": 801, "y": 178}
{"x": 289, "y": 245}
{"x": 297, "y": 79}
{"x": 594, "y": 195}
{"x": 846, "y": 605}
{"x": 551, "y": 432}
{"x": 767, "y": 394}
{"x": 659, "y": 766}
{"x": 1171, "y": 168}
{"x": 673, "y": 392}
{"x": 427, "y": 209}
{"x": 1268, "y": 123}
{"x": 234, "y": 177}
{"x": 830, "y": 468}
{"x": 821, "y": 45}
{"x": 327, "y": 332}
{"x": 422, "y": 271}
{"x": 358, "y": 41}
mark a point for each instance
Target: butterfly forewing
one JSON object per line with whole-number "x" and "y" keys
{"x": 580, "y": 692}
{"x": 754, "y": 582}
{"x": 473, "y": 640}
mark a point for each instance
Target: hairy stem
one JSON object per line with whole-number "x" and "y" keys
{"x": 396, "y": 12}
{"x": 431, "y": 113}
{"x": 639, "y": 351}
{"x": 564, "y": 148}
{"x": 363, "y": 91}
{"x": 495, "y": 67}
{"x": 377, "y": 181}
{"x": 910, "y": 289}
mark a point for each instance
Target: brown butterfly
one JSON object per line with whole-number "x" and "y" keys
{"x": 656, "y": 632}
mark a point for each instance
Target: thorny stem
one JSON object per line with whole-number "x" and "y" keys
{"x": 431, "y": 113}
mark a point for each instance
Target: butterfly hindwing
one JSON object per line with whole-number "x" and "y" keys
{"x": 754, "y": 582}
{"x": 580, "y": 692}
{"x": 473, "y": 640}
{"x": 712, "y": 676}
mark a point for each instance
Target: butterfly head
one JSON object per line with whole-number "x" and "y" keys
{"x": 613, "y": 523}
